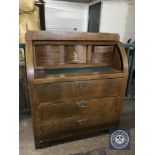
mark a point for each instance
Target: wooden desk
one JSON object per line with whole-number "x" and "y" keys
{"x": 76, "y": 84}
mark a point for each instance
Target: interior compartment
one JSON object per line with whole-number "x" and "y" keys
{"x": 47, "y": 55}
{"x": 102, "y": 54}
{"x": 75, "y": 54}
{"x": 63, "y": 71}
{"x": 66, "y": 59}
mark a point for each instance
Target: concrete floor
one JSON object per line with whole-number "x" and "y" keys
{"x": 26, "y": 140}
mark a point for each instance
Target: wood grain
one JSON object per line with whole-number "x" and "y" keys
{"x": 44, "y": 35}
{"x": 68, "y": 105}
{"x": 52, "y": 111}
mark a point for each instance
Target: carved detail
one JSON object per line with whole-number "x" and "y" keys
{"x": 82, "y": 84}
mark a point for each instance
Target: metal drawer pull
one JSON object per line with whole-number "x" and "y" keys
{"x": 82, "y": 104}
{"x": 82, "y": 121}
{"x": 82, "y": 84}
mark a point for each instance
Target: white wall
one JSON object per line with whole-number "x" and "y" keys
{"x": 60, "y": 15}
{"x": 118, "y": 17}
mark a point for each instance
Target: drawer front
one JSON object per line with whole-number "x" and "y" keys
{"x": 69, "y": 126}
{"x": 55, "y": 92}
{"x": 79, "y": 90}
{"x": 51, "y": 112}
{"x": 98, "y": 88}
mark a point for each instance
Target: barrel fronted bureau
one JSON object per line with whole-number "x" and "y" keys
{"x": 76, "y": 84}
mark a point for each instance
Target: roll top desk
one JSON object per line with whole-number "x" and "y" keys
{"x": 76, "y": 83}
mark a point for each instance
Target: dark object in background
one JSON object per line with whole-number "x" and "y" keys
{"x": 24, "y": 106}
{"x": 94, "y": 17}
{"x": 129, "y": 41}
{"x": 130, "y": 50}
{"x": 41, "y": 5}
{"x": 75, "y": 29}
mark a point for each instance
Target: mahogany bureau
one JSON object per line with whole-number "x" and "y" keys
{"x": 76, "y": 83}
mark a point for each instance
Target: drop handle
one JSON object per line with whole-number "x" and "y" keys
{"x": 82, "y": 121}
{"x": 82, "y": 104}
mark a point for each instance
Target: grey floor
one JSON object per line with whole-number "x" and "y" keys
{"x": 26, "y": 141}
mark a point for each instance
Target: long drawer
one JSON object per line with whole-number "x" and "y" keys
{"x": 65, "y": 91}
{"x": 62, "y": 128}
{"x": 51, "y": 112}
{"x": 98, "y": 88}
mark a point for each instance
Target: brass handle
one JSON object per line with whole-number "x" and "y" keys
{"x": 82, "y": 104}
{"x": 82, "y": 84}
{"x": 82, "y": 121}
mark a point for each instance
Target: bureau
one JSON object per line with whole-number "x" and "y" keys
{"x": 76, "y": 84}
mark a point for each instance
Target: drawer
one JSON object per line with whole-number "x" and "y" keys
{"x": 79, "y": 90}
{"x": 50, "y": 112}
{"x": 60, "y": 91}
{"x": 70, "y": 126}
{"x": 98, "y": 88}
